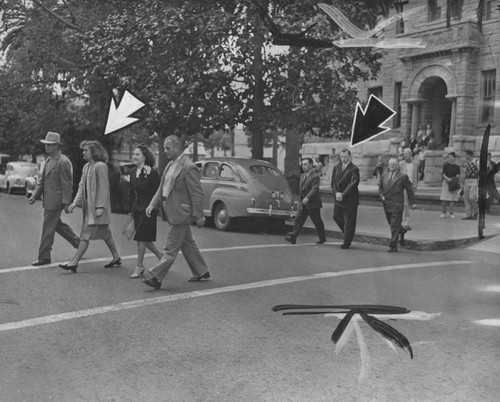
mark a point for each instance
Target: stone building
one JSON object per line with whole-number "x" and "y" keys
{"x": 450, "y": 84}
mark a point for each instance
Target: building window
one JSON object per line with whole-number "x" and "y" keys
{"x": 454, "y": 8}
{"x": 434, "y": 10}
{"x": 400, "y": 23}
{"x": 376, "y": 91}
{"x": 488, "y": 86}
{"x": 397, "y": 105}
{"x": 488, "y": 10}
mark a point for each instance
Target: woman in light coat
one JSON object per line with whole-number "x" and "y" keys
{"x": 94, "y": 199}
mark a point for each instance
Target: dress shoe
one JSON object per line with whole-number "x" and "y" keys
{"x": 37, "y": 263}
{"x": 153, "y": 282}
{"x": 67, "y": 267}
{"x": 344, "y": 246}
{"x": 468, "y": 218}
{"x": 321, "y": 241}
{"x": 200, "y": 278}
{"x": 112, "y": 263}
{"x": 291, "y": 239}
{"x": 138, "y": 272}
{"x": 392, "y": 250}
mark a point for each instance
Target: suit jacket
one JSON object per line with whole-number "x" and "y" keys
{"x": 393, "y": 191}
{"x": 56, "y": 182}
{"x": 346, "y": 182}
{"x": 184, "y": 203}
{"x": 93, "y": 193}
{"x": 414, "y": 177}
{"x": 142, "y": 189}
{"x": 309, "y": 187}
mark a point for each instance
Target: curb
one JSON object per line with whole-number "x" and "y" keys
{"x": 424, "y": 245}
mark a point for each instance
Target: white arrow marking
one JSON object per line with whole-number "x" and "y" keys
{"x": 118, "y": 118}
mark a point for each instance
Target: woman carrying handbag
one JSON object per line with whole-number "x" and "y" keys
{"x": 144, "y": 181}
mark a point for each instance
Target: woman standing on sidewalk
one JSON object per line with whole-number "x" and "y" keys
{"x": 93, "y": 197}
{"x": 450, "y": 171}
{"x": 144, "y": 181}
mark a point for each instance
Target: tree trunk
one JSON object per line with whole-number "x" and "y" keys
{"x": 292, "y": 158}
{"x": 256, "y": 125}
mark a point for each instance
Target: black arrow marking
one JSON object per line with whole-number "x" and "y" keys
{"x": 368, "y": 123}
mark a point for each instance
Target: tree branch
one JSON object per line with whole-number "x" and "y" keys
{"x": 64, "y": 21}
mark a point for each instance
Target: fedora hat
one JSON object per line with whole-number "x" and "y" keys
{"x": 51, "y": 138}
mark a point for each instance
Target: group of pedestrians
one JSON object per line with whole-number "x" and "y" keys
{"x": 395, "y": 188}
{"x": 178, "y": 195}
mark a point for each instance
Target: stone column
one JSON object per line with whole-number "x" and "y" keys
{"x": 453, "y": 119}
{"x": 414, "y": 106}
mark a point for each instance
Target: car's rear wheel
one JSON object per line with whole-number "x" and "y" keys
{"x": 222, "y": 220}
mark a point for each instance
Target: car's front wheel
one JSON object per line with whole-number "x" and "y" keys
{"x": 222, "y": 220}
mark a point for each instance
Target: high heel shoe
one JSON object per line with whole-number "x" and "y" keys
{"x": 67, "y": 267}
{"x": 112, "y": 263}
{"x": 138, "y": 272}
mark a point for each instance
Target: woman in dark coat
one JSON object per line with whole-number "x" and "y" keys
{"x": 450, "y": 171}
{"x": 144, "y": 181}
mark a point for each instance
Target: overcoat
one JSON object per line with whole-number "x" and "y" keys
{"x": 93, "y": 193}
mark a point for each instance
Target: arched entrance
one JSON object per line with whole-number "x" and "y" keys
{"x": 435, "y": 109}
{"x": 432, "y": 99}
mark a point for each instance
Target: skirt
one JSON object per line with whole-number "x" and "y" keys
{"x": 446, "y": 194}
{"x": 93, "y": 232}
{"x": 145, "y": 228}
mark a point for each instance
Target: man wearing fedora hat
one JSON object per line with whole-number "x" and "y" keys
{"x": 56, "y": 187}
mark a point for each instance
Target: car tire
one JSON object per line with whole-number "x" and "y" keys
{"x": 222, "y": 220}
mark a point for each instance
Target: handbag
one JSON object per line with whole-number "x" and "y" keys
{"x": 453, "y": 184}
{"x": 129, "y": 228}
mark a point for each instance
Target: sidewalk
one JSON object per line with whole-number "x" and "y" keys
{"x": 429, "y": 231}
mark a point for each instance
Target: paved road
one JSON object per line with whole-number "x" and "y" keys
{"x": 97, "y": 335}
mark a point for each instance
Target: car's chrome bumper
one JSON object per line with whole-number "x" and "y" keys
{"x": 271, "y": 212}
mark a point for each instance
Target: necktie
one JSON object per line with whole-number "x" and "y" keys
{"x": 391, "y": 176}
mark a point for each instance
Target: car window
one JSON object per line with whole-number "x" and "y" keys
{"x": 26, "y": 169}
{"x": 227, "y": 173}
{"x": 262, "y": 170}
{"x": 211, "y": 170}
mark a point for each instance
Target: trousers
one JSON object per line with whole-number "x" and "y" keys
{"x": 180, "y": 238}
{"x": 53, "y": 224}
{"x": 345, "y": 218}
{"x": 315, "y": 214}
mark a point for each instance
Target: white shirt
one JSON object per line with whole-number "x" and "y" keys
{"x": 409, "y": 171}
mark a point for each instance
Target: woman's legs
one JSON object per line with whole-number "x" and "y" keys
{"x": 112, "y": 247}
{"x": 141, "y": 250}
{"x": 443, "y": 204}
{"x": 452, "y": 203}
{"x": 82, "y": 248}
{"x": 152, "y": 247}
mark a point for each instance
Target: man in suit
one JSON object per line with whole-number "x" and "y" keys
{"x": 345, "y": 181}
{"x": 309, "y": 203}
{"x": 181, "y": 197}
{"x": 56, "y": 187}
{"x": 391, "y": 189}
{"x": 408, "y": 167}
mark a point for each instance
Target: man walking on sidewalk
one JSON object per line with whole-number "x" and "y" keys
{"x": 470, "y": 186}
{"x": 391, "y": 189}
{"x": 345, "y": 182}
{"x": 309, "y": 203}
{"x": 408, "y": 167}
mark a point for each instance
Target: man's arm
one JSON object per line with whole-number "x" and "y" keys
{"x": 193, "y": 184}
{"x": 353, "y": 183}
{"x": 66, "y": 176}
{"x": 314, "y": 187}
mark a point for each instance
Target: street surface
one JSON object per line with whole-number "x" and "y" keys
{"x": 99, "y": 336}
